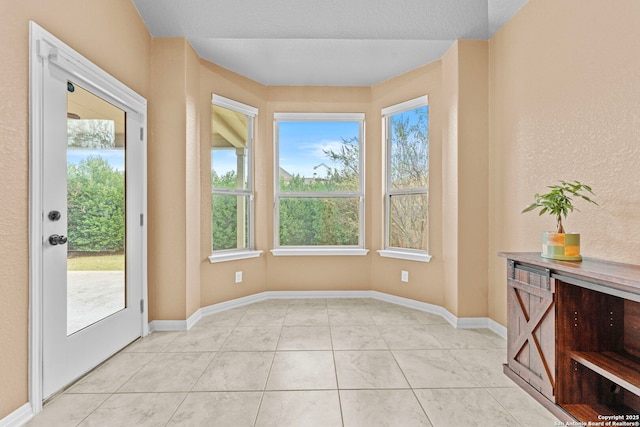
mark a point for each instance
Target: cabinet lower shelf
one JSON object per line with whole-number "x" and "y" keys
{"x": 618, "y": 368}
{"x": 555, "y": 308}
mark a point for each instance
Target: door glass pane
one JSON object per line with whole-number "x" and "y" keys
{"x": 96, "y": 285}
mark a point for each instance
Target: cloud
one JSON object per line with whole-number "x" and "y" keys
{"x": 317, "y": 149}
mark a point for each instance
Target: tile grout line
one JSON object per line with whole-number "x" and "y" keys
{"x": 264, "y": 388}
{"x": 335, "y": 370}
{"x": 307, "y": 322}
{"x": 111, "y": 394}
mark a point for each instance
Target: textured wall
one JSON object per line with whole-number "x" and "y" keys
{"x": 564, "y": 101}
{"x": 464, "y": 177}
{"x": 426, "y": 280}
{"x": 167, "y": 180}
{"x": 472, "y": 179}
{"x": 315, "y": 273}
{"x": 218, "y": 280}
{"x": 192, "y": 191}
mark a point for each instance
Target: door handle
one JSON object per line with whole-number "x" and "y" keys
{"x": 55, "y": 239}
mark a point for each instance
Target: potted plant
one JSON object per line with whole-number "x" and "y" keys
{"x": 558, "y": 202}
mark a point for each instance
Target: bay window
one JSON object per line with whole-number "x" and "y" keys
{"x": 232, "y": 130}
{"x": 319, "y": 198}
{"x": 407, "y": 180}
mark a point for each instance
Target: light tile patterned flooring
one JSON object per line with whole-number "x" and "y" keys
{"x": 304, "y": 363}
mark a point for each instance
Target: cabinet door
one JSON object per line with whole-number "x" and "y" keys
{"x": 531, "y": 326}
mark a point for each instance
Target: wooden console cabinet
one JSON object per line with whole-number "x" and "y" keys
{"x": 573, "y": 336}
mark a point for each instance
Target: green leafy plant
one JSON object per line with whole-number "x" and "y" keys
{"x": 558, "y": 201}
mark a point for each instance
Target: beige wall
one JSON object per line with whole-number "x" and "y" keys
{"x": 319, "y": 273}
{"x": 465, "y": 180}
{"x": 472, "y": 179}
{"x": 324, "y": 272}
{"x": 174, "y": 182}
{"x": 124, "y": 54}
{"x": 167, "y": 181}
{"x": 564, "y": 97}
{"x": 218, "y": 280}
{"x": 426, "y": 280}
{"x": 450, "y": 89}
{"x": 193, "y": 182}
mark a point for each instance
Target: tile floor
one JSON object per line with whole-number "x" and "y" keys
{"x": 304, "y": 362}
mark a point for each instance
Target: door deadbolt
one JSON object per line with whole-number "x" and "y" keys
{"x": 54, "y": 215}
{"x": 55, "y": 239}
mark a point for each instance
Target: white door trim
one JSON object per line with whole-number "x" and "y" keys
{"x": 43, "y": 46}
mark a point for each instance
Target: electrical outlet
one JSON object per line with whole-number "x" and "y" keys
{"x": 238, "y": 276}
{"x": 404, "y": 276}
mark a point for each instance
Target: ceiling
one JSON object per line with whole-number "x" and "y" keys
{"x": 324, "y": 42}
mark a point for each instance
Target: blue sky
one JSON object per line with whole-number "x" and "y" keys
{"x": 223, "y": 161}
{"x": 114, "y": 157}
{"x": 301, "y": 145}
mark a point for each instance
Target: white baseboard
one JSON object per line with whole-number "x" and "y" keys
{"x": 19, "y": 417}
{"x": 317, "y": 294}
{"x": 456, "y": 322}
{"x": 168, "y": 325}
{"x": 498, "y": 328}
{"x": 234, "y": 303}
{"x": 411, "y": 303}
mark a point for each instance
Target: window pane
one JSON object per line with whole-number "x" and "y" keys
{"x": 319, "y": 156}
{"x": 230, "y": 219}
{"x": 409, "y": 149}
{"x": 319, "y": 221}
{"x": 229, "y": 152}
{"x": 408, "y": 221}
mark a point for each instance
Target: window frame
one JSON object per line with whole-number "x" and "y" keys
{"x": 318, "y": 250}
{"x": 392, "y": 251}
{"x": 249, "y": 251}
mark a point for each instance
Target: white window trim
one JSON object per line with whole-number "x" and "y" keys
{"x": 326, "y": 117}
{"x": 319, "y": 250}
{"x": 230, "y": 104}
{"x": 389, "y": 251}
{"x": 407, "y": 255}
{"x": 233, "y": 255}
{"x": 248, "y": 252}
{"x": 411, "y": 104}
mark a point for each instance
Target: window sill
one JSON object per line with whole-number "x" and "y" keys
{"x": 408, "y": 256}
{"x": 233, "y": 256}
{"x": 320, "y": 252}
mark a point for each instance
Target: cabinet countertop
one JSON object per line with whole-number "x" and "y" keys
{"x": 624, "y": 277}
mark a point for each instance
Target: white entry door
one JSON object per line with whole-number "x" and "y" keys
{"x": 92, "y": 196}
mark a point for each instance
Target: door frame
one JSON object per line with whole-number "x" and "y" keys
{"x": 43, "y": 46}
